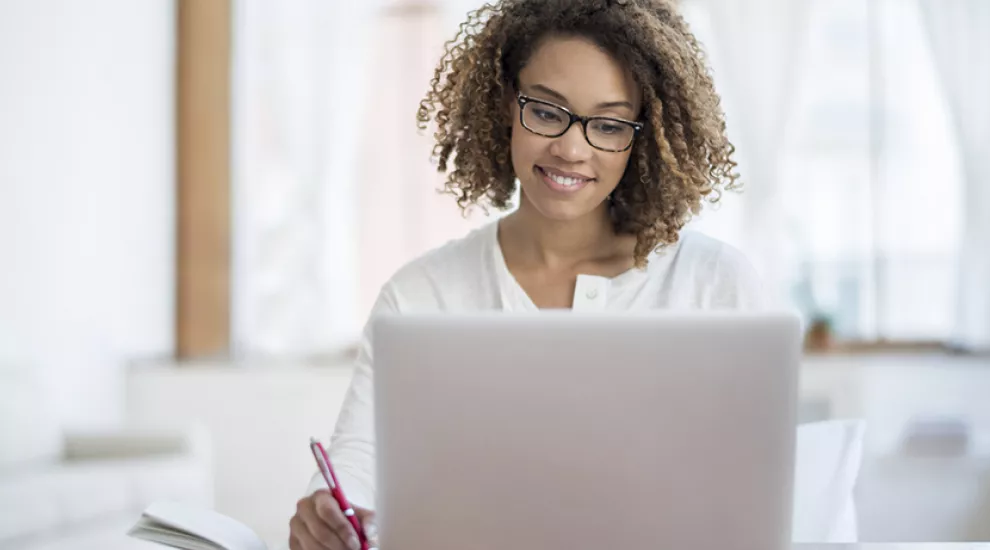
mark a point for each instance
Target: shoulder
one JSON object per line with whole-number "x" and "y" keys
{"x": 443, "y": 274}
{"x": 721, "y": 272}
{"x": 709, "y": 253}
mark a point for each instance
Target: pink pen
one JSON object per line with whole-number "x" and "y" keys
{"x": 323, "y": 462}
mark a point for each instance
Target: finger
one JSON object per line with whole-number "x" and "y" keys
{"x": 369, "y": 524}
{"x": 294, "y": 542}
{"x": 316, "y": 526}
{"x": 306, "y": 540}
{"x": 328, "y": 510}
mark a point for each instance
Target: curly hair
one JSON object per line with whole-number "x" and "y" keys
{"x": 682, "y": 157}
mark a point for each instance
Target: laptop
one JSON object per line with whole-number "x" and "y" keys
{"x": 564, "y": 431}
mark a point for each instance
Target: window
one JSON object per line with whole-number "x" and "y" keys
{"x": 333, "y": 189}
{"x": 870, "y": 186}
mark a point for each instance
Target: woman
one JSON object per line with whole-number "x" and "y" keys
{"x": 605, "y": 113}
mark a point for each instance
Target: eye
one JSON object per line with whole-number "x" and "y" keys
{"x": 546, "y": 114}
{"x": 611, "y": 128}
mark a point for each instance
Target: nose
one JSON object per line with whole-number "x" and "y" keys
{"x": 572, "y": 146}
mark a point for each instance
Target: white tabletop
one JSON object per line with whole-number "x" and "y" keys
{"x": 897, "y": 546}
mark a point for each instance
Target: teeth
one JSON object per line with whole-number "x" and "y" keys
{"x": 566, "y": 182}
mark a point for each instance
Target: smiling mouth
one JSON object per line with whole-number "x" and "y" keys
{"x": 559, "y": 182}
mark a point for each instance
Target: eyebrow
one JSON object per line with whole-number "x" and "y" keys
{"x": 560, "y": 97}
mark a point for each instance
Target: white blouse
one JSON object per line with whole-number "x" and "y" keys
{"x": 470, "y": 274}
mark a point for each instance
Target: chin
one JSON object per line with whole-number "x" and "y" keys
{"x": 559, "y": 210}
{"x": 563, "y": 214}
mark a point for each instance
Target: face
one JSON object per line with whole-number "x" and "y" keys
{"x": 566, "y": 178}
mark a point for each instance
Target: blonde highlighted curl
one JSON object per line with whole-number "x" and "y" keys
{"x": 680, "y": 159}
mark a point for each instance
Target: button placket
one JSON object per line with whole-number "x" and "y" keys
{"x": 590, "y": 293}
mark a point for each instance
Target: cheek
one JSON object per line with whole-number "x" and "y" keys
{"x": 526, "y": 148}
{"x": 615, "y": 165}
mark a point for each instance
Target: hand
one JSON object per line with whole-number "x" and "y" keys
{"x": 320, "y": 525}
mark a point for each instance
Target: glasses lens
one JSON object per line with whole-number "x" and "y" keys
{"x": 611, "y": 135}
{"x": 545, "y": 119}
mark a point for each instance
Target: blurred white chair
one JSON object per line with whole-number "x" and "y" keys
{"x": 97, "y": 488}
{"x": 827, "y": 466}
{"x": 924, "y": 478}
{"x": 83, "y": 491}
{"x": 935, "y": 486}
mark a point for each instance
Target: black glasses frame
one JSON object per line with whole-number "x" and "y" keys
{"x": 584, "y": 120}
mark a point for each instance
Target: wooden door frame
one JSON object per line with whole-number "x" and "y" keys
{"x": 203, "y": 181}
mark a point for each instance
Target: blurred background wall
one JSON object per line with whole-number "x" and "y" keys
{"x": 87, "y": 175}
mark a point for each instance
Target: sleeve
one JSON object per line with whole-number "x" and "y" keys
{"x": 737, "y": 285}
{"x": 352, "y": 447}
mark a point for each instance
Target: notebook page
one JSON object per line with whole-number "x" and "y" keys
{"x": 148, "y": 529}
{"x": 205, "y": 524}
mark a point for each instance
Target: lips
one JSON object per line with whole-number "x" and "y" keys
{"x": 564, "y": 182}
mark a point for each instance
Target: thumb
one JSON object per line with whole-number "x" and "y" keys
{"x": 368, "y": 523}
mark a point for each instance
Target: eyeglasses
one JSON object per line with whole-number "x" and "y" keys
{"x": 543, "y": 118}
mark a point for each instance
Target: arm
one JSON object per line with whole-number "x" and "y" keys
{"x": 352, "y": 447}
{"x": 319, "y": 522}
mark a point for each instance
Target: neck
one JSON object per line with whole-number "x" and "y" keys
{"x": 551, "y": 243}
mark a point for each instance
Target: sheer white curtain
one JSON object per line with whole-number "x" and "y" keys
{"x": 333, "y": 189}
{"x": 402, "y": 213}
{"x": 852, "y": 184}
{"x": 959, "y": 31}
{"x": 756, "y": 47}
{"x": 300, "y": 78}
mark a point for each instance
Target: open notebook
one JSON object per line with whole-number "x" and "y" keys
{"x": 190, "y": 528}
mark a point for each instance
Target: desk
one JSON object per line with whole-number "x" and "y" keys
{"x": 897, "y": 546}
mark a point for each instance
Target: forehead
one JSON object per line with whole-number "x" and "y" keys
{"x": 582, "y": 71}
